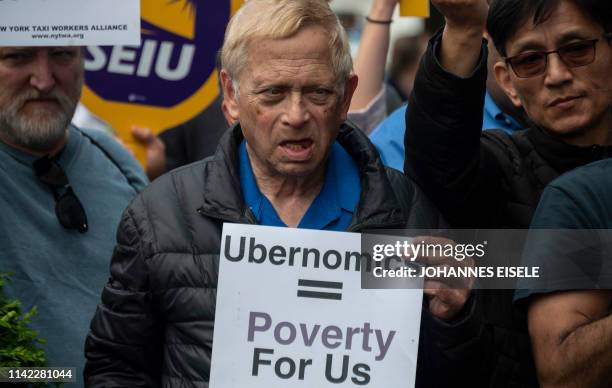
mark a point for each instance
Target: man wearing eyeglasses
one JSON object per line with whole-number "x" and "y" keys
{"x": 62, "y": 192}
{"x": 556, "y": 65}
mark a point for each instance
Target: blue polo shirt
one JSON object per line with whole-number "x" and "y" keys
{"x": 333, "y": 207}
{"x": 388, "y": 137}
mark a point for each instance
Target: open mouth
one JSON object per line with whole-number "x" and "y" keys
{"x": 298, "y": 149}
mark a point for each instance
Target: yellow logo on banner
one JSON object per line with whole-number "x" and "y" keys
{"x": 170, "y": 16}
{"x": 169, "y": 78}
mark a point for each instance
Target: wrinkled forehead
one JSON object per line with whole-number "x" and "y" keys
{"x": 307, "y": 49}
{"x": 306, "y": 44}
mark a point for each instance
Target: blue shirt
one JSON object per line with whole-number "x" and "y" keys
{"x": 333, "y": 207}
{"x": 61, "y": 270}
{"x": 388, "y": 137}
{"x": 573, "y": 251}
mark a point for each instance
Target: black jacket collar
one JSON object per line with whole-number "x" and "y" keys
{"x": 563, "y": 156}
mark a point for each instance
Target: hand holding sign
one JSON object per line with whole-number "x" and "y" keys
{"x": 447, "y": 296}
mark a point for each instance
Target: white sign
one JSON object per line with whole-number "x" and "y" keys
{"x": 291, "y": 313}
{"x": 69, "y": 22}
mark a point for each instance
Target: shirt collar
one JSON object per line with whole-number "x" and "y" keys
{"x": 252, "y": 196}
{"x": 339, "y": 194}
{"x": 503, "y": 119}
{"x": 343, "y": 170}
{"x": 340, "y": 190}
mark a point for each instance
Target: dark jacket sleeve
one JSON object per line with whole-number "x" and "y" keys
{"x": 461, "y": 173}
{"x": 449, "y": 352}
{"x": 123, "y": 347}
{"x": 443, "y": 346}
{"x": 444, "y": 156}
{"x": 444, "y": 153}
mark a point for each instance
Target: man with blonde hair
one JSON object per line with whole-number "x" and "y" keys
{"x": 290, "y": 160}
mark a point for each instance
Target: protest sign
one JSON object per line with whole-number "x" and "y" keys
{"x": 169, "y": 78}
{"x": 291, "y": 313}
{"x": 414, "y": 8}
{"x": 69, "y": 22}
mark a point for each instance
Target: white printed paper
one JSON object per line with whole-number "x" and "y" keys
{"x": 69, "y": 22}
{"x": 291, "y": 313}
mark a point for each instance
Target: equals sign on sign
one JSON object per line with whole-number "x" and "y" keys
{"x": 319, "y": 289}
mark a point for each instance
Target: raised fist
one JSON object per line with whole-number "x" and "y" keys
{"x": 463, "y": 14}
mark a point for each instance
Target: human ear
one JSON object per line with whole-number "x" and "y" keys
{"x": 230, "y": 100}
{"x": 349, "y": 89}
{"x": 504, "y": 80}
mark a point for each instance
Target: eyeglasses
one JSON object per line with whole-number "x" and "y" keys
{"x": 68, "y": 208}
{"x": 534, "y": 63}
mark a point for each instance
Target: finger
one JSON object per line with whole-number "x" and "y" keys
{"x": 450, "y": 296}
{"x": 440, "y": 310}
{"x": 432, "y": 286}
{"x": 142, "y": 134}
{"x": 456, "y": 282}
{"x": 437, "y": 259}
{"x": 450, "y": 261}
{"x": 433, "y": 240}
{"x": 433, "y": 249}
{"x": 439, "y": 250}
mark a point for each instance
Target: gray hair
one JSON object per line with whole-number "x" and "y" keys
{"x": 279, "y": 19}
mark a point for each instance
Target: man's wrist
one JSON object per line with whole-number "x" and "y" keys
{"x": 379, "y": 21}
{"x": 460, "y": 50}
{"x": 466, "y": 33}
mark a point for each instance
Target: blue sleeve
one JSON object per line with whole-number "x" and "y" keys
{"x": 128, "y": 165}
{"x": 564, "y": 244}
{"x": 559, "y": 209}
{"x": 388, "y": 138}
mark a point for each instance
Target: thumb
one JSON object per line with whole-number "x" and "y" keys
{"x": 143, "y": 135}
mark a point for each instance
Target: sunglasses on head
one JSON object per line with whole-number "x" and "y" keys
{"x": 534, "y": 63}
{"x": 68, "y": 208}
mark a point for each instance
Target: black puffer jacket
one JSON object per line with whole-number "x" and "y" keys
{"x": 483, "y": 180}
{"x": 154, "y": 326}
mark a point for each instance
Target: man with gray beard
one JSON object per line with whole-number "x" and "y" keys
{"x": 62, "y": 192}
